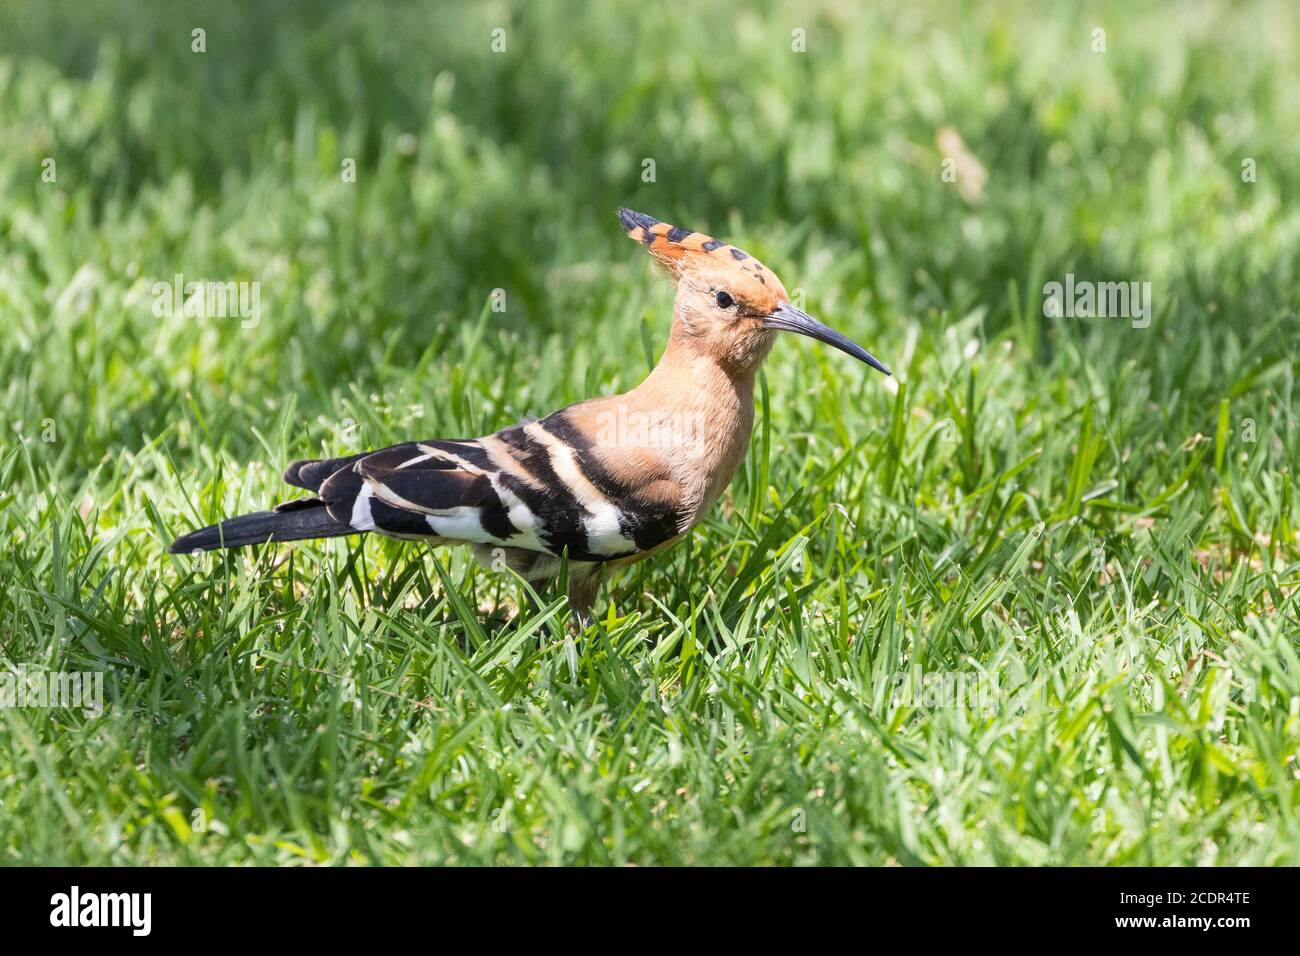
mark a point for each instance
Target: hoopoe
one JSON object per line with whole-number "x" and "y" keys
{"x": 605, "y": 482}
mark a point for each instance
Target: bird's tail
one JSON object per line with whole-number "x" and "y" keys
{"x": 305, "y": 519}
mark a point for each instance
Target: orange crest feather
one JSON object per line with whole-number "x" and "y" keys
{"x": 694, "y": 254}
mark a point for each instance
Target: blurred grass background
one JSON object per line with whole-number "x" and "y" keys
{"x": 348, "y": 708}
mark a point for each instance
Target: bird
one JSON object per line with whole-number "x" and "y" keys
{"x": 599, "y": 484}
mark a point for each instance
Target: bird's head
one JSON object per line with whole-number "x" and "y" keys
{"x": 729, "y": 305}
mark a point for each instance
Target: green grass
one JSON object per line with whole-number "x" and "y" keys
{"x": 1094, "y": 523}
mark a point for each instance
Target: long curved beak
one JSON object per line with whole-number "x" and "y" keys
{"x": 787, "y": 318}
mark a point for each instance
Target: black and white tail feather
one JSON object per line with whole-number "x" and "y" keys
{"x": 308, "y": 519}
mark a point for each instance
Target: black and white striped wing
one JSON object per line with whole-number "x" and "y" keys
{"x": 535, "y": 487}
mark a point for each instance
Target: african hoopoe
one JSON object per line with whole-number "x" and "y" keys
{"x": 576, "y": 482}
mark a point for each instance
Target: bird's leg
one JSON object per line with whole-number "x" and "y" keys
{"x": 582, "y": 594}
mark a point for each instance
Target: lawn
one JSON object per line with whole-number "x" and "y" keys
{"x": 1034, "y": 600}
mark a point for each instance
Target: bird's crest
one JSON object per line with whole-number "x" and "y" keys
{"x": 684, "y": 252}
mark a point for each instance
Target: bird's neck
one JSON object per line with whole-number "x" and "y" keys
{"x": 709, "y": 406}
{"x": 688, "y": 376}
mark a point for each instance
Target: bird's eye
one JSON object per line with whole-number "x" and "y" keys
{"x": 725, "y": 301}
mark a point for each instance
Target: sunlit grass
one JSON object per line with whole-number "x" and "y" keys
{"x": 1093, "y": 525}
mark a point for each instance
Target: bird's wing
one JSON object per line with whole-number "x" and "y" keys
{"x": 537, "y": 487}
{"x": 311, "y": 473}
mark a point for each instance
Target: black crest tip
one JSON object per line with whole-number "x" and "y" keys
{"x": 631, "y": 219}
